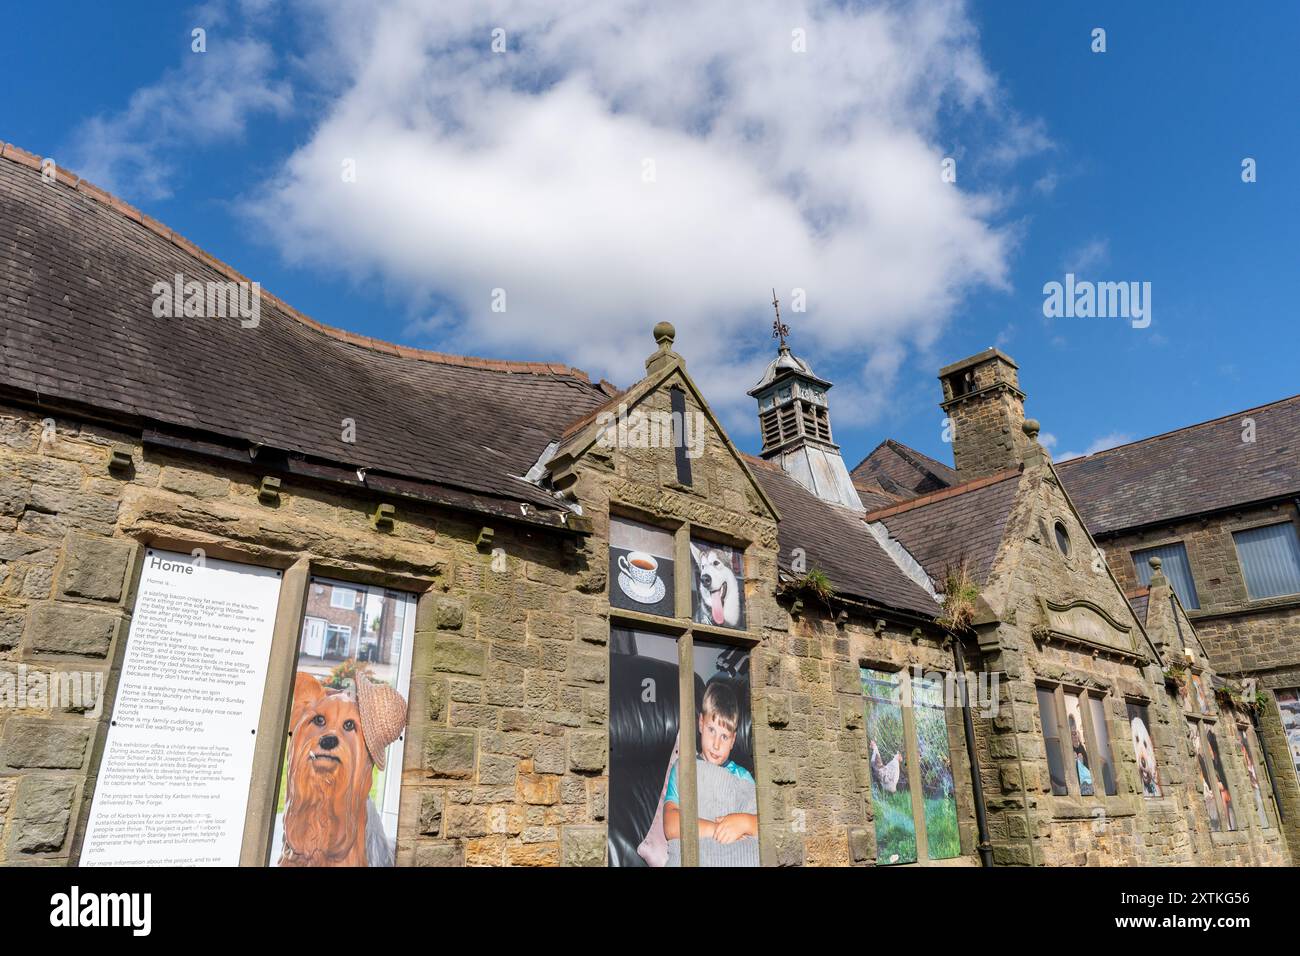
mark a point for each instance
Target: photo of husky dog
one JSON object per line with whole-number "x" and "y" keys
{"x": 716, "y": 597}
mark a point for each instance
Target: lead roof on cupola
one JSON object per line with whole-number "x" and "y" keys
{"x": 786, "y": 363}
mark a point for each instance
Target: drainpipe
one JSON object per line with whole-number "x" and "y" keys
{"x": 981, "y": 816}
{"x": 1268, "y": 765}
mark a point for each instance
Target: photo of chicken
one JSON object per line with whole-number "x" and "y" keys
{"x": 886, "y": 774}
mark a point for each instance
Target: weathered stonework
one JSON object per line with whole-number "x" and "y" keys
{"x": 507, "y": 749}
{"x": 1243, "y": 637}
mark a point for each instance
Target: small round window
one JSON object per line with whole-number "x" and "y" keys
{"x": 1062, "y": 538}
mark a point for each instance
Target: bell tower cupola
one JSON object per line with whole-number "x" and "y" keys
{"x": 794, "y": 418}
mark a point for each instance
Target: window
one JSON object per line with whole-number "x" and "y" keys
{"x": 338, "y": 642}
{"x": 780, "y": 424}
{"x": 1174, "y": 564}
{"x": 912, "y": 793}
{"x": 349, "y": 705}
{"x": 1144, "y": 750}
{"x": 717, "y": 584}
{"x": 342, "y": 597}
{"x": 816, "y": 424}
{"x": 1105, "y": 758}
{"x": 681, "y": 454}
{"x": 647, "y": 794}
{"x": 1208, "y": 789}
{"x": 1203, "y": 741}
{"x": 1062, "y": 538}
{"x": 1052, "y": 737}
{"x": 641, "y": 568}
{"x": 1270, "y": 560}
{"x": 1076, "y": 735}
{"x": 1288, "y": 706}
{"x": 658, "y": 714}
{"x": 1246, "y": 737}
{"x": 962, "y": 383}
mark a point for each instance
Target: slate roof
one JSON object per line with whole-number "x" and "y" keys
{"x": 904, "y": 471}
{"x": 947, "y": 527}
{"x": 1195, "y": 469}
{"x": 77, "y": 268}
{"x": 837, "y": 542}
{"x": 873, "y": 496}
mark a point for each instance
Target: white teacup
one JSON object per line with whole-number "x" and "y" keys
{"x": 640, "y": 567}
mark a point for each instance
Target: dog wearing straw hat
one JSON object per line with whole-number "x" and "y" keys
{"x": 337, "y": 738}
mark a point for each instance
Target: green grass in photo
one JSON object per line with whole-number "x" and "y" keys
{"x": 895, "y": 832}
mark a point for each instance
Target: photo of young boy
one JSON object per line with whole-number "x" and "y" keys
{"x": 1082, "y": 765}
{"x": 726, "y": 796}
{"x": 717, "y": 727}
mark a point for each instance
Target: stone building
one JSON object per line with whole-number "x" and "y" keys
{"x": 1219, "y": 504}
{"x": 1121, "y": 489}
{"x": 917, "y": 666}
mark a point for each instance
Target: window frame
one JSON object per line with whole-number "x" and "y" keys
{"x": 1203, "y": 722}
{"x": 1292, "y": 756}
{"x": 1241, "y": 563}
{"x": 1086, "y": 695}
{"x": 390, "y": 779}
{"x": 1144, "y": 704}
{"x": 335, "y": 591}
{"x": 1245, "y": 728}
{"x": 912, "y": 746}
{"x": 684, "y": 629}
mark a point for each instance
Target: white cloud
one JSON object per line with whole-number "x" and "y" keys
{"x": 525, "y": 171}
{"x": 1100, "y": 444}
{"x": 1091, "y": 254}
{"x": 206, "y": 99}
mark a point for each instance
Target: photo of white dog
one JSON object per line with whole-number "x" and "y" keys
{"x": 716, "y": 597}
{"x": 1146, "y": 755}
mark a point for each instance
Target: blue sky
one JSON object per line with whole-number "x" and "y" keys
{"x": 479, "y": 172}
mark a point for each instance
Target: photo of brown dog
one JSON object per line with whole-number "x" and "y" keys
{"x": 337, "y": 738}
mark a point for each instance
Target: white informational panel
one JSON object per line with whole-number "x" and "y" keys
{"x": 173, "y": 782}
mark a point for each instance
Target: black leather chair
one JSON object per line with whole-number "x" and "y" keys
{"x": 643, "y": 735}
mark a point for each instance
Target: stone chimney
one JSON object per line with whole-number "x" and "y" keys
{"x": 986, "y": 414}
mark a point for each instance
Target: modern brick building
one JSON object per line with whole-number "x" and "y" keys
{"x": 542, "y": 590}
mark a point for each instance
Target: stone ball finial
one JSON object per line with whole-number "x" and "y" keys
{"x": 1030, "y": 428}
{"x": 1155, "y": 564}
{"x": 664, "y": 334}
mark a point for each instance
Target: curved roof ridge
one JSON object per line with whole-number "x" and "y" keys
{"x": 20, "y": 156}
{"x": 1174, "y": 431}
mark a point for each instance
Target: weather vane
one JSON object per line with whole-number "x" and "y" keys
{"x": 779, "y": 330}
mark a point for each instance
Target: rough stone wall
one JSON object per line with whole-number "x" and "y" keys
{"x": 986, "y": 427}
{"x": 1241, "y": 635}
{"x": 63, "y": 581}
{"x": 1029, "y": 823}
{"x": 1243, "y": 638}
{"x": 507, "y": 748}
{"x": 509, "y": 681}
{"x": 70, "y": 532}
{"x": 987, "y": 436}
{"x": 816, "y": 711}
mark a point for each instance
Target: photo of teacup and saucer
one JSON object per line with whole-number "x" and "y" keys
{"x": 639, "y": 578}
